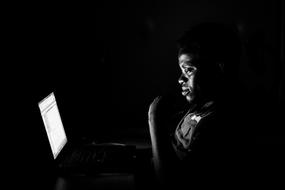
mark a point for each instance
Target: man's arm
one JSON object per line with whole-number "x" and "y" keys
{"x": 164, "y": 157}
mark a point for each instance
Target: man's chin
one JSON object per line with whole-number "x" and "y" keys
{"x": 189, "y": 98}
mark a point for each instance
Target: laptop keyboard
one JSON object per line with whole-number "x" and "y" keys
{"x": 83, "y": 157}
{"x": 99, "y": 156}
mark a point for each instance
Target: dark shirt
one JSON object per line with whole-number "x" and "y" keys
{"x": 187, "y": 133}
{"x": 203, "y": 142}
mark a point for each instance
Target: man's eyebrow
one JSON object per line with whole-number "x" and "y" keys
{"x": 187, "y": 63}
{"x": 185, "y": 66}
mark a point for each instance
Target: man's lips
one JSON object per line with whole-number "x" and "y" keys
{"x": 185, "y": 91}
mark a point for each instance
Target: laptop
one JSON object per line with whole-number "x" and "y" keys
{"x": 82, "y": 158}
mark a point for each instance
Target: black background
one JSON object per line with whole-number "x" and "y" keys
{"x": 106, "y": 61}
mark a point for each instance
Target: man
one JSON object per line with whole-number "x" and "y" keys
{"x": 198, "y": 144}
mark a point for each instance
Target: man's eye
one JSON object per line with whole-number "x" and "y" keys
{"x": 189, "y": 70}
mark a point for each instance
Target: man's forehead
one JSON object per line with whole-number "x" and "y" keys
{"x": 185, "y": 59}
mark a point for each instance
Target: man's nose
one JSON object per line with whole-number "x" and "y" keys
{"x": 182, "y": 79}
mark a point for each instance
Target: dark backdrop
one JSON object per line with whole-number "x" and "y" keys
{"x": 107, "y": 61}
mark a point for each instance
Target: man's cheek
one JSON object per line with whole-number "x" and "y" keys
{"x": 191, "y": 82}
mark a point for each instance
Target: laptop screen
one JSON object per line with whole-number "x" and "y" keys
{"x": 53, "y": 124}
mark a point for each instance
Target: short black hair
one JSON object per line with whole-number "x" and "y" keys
{"x": 213, "y": 41}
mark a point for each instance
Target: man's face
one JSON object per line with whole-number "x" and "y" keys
{"x": 187, "y": 80}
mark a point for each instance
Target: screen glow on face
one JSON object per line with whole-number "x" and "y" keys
{"x": 187, "y": 78}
